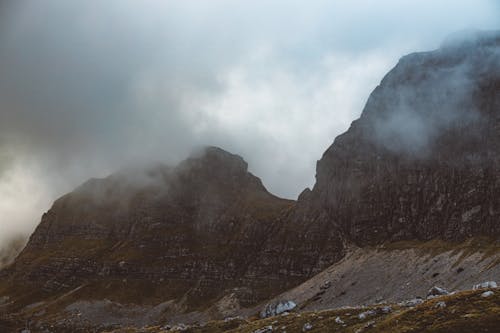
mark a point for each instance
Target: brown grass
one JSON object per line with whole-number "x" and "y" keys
{"x": 465, "y": 312}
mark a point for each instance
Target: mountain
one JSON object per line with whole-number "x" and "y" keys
{"x": 422, "y": 161}
{"x": 407, "y": 197}
{"x": 188, "y": 234}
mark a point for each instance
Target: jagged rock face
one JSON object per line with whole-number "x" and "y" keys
{"x": 189, "y": 232}
{"x": 423, "y": 160}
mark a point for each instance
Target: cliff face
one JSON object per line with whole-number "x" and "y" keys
{"x": 188, "y": 233}
{"x": 422, "y": 161}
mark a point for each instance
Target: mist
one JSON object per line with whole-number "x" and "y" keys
{"x": 415, "y": 106}
{"x": 90, "y": 87}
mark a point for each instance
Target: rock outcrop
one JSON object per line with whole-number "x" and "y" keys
{"x": 190, "y": 233}
{"x": 421, "y": 163}
{"x": 423, "y": 160}
{"x": 276, "y": 308}
{"x": 398, "y": 272}
{"x": 484, "y": 285}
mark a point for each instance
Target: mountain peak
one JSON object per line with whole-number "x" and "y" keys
{"x": 419, "y": 162}
{"x": 204, "y": 238}
{"x": 217, "y": 160}
{"x": 472, "y": 37}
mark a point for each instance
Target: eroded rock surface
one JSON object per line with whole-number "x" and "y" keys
{"x": 422, "y": 162}
{"x": 192, "y": 233}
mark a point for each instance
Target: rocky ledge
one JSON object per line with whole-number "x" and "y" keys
{"x": 205, "y": 238}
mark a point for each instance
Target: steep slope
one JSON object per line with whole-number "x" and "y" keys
{"x": 399, "y": 271}
{"x": 186, "y": 234}
{"x": 421, "y": 163}
{"x": 464, "y": 312}
{"x": 423, "y": 160}
{"x": 205, "y": 238}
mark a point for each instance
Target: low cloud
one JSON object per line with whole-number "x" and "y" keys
{"x": 416, "y": 104}
{"x": 88, "y": 87}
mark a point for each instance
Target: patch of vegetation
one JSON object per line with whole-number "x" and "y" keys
{"x": 465, "y": 312}
{"x": 487, "y": 246}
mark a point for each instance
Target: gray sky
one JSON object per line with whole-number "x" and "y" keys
{"x": 91, "y": 86}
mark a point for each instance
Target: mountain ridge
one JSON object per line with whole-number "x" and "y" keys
{"x": 205, "y": 239}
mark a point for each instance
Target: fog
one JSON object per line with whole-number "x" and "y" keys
{"x": 88, "y": 87}
{"x": 417, "y": 104}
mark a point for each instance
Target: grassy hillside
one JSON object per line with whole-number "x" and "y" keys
{"x": 464, "y": 312}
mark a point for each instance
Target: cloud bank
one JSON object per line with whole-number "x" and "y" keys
{"x": 88, "y": 87}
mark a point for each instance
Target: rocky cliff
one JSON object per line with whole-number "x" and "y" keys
{"x": 189, "y": 234}
{"x": 422, "y": 162}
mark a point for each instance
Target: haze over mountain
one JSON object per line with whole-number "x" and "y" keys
{"x": 405, "y": 200}
{"x": 90, "y": 87}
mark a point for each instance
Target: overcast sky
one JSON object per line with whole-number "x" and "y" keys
{"x": 91, "y": 86}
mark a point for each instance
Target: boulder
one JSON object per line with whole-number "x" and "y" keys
{"x": 485, "y": 285}
{"x": 276, "y": 308}
{"x": 307, "y": 327}
{"x": 437, "y": 291}
{"x": 386, "y": 309}
{"x": 412, "y": 302}
{"x": 265, "y": 329}
{"x": 366, "y": 314}
{"x": 487, "y": 293}
{"x": 440, "y": 305}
